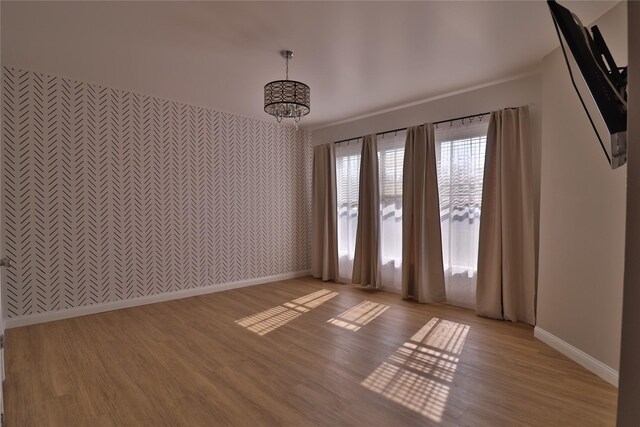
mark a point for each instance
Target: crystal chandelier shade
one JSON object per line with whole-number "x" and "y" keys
{"x": 287, "y": 99}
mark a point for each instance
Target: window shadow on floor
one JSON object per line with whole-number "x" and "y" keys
{"x": 266, "y": 321}
{"x": 418, "y": 375}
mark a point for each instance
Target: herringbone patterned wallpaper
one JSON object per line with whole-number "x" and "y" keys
{"x": 110, "y": 195}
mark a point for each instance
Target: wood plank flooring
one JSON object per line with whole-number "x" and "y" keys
{"x": 299, "y": 352}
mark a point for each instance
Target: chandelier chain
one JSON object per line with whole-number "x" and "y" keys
{"x": 287, "y": 72}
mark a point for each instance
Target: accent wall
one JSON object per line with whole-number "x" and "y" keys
{"x": 112, "y": 196}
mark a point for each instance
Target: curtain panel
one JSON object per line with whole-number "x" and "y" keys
{"x": 324, "y": 235}
{"x": 506, "y": 256}
{"x": 422, "y": 269}
{"x": 366, "y": 264}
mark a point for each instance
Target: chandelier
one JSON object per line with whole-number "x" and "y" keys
{"x": 287, "y": 99}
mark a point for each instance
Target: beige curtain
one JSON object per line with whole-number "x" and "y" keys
{"x": 366, "y": 263}
{"x": 324, "y": 234}
{"x": 422, "y": 270}
{"x": 506, "y": 254}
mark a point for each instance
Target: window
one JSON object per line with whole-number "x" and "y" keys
{"x": 460, "y": 153}
{"x": 390, "y": 166}
{"x": 347, "y": 183}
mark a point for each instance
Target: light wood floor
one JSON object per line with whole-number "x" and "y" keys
{"x": 281, "y": 354}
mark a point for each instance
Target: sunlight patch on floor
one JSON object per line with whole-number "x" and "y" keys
{"x": 358, "y": 316}
{"x": 266, "y": 321}
{"x": 419, "y": 374}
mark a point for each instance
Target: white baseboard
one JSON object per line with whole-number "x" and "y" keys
{"x": 605, "y": 372}
{"x": 16, "y": 322}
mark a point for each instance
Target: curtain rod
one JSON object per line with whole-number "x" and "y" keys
{"x": 435, "y": 123}
{"x": 405, "y": 128}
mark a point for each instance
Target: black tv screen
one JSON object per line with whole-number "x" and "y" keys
{"x": 600, "y": 83}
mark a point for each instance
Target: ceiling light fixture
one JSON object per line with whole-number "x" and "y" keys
{"x": 287, "y": 99}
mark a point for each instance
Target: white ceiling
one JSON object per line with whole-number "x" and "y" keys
{"x": 358, "y": 57}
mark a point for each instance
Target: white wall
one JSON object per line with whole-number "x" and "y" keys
{"x": 629, "y": 393}
{"x": 582, "y": 215}
{"x": 510, "y": 93}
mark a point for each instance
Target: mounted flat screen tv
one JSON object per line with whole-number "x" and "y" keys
{"x": 601, "y": 85}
